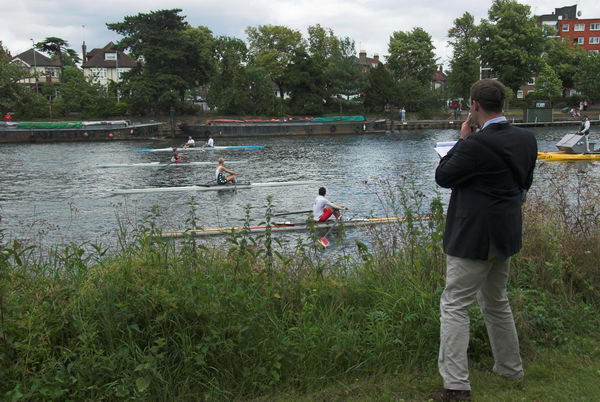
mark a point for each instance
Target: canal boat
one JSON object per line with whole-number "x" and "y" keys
{"x": 163, "y": 164}
{"x": 202, "y": 149}
{"x": 68, "y": 131}
{"x": 222, "y": 128}
{"x": 285, "y": 226}
{"x": 212, "y": 187}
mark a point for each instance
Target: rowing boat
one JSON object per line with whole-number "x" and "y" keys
{"x": 216, "y": 148}
{"x": 212, "y": 187}
{"x": 163, "y": 164}
{"x": 282, "y": 227}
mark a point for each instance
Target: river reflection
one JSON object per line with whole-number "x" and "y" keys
{"x": 58, "y": 192}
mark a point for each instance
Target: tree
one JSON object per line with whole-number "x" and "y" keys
{"x": 565, "y": 58}
{"x": 586, "y": 77}
{"x": 176, "y": 57}
{"x": 464, "y": 66}
{"x": 59, "y": 49}
{"x": 511, "y": 42}
{"x": 237, "y": 88}
{"x": 306, "y": 84}
{"x": 547, "y": 83}
{"x": 11, "y": 92}
{"x": 411, "y": 55}
{"x": 381, "y": 89}
{"x": 272, "y": 48}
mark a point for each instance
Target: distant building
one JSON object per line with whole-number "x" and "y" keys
{"x": 40, "y": 68}
{"x": 366, "y": 63}
{"x": 438, "y": 80}
{"x": 106, "y": 64}
{"x": 582, "y": 32}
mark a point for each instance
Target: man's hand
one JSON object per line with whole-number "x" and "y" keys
{"x": 466, "y": 128}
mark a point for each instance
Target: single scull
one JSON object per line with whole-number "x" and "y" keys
{"x": 163, "y": 164}
{"x": 284, "y": 227}
{"x": 216, "y": 148}
{"x": 212, "y": 187}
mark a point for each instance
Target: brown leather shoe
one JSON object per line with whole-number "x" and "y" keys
{"x": 451, "y": 395}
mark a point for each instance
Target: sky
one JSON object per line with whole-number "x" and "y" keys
{"x": 368, "y": 22}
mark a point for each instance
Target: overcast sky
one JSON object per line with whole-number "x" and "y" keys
{"x": 369, "y": 22}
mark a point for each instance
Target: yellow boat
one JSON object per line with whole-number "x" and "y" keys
{"x": 545, "y": 155}
{"x": 562, "y": 156}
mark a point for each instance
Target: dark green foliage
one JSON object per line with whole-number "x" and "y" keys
{"x": 464, "y": 66}
{"x": 176, "y": 57}
{"x": 272, "y": 48}
{"x": 511, "y": 42}
{"x": 381, "y": 89}
{"x": 306, "y": 84}
{"x": 411, "y": 56}
{"x": 239, "y": 88}
{"x": 587, "y": 77}
{"x": 565, "y": 58}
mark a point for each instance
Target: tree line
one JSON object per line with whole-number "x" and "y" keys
{"x": 279, "y": 71}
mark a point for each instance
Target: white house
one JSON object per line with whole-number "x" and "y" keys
{"x": 106, "y": 64}
{"x": 40, "y": 69}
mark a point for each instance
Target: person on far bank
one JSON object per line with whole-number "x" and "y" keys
{"x": 584, "y": 130}
{"x": 489, "y": 171}
{"x": 323, "y": 208}
{"x": 210, "y": 143}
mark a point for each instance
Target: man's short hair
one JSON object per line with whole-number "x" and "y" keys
{"x": 322, "y": 191}
{"x": 490, "y": 94}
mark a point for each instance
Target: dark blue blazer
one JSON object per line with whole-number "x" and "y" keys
{"x": 487, "y": 173}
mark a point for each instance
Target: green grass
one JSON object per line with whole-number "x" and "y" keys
{"x": 157, "y": 321}
{"x": 563, "y": 374}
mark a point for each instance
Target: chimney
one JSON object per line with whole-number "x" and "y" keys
{"x": 83, "y": 52}
{"x": 362, "y": 56}
{"x": 441, "y": 70}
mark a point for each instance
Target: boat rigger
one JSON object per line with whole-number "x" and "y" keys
{"x": 202, "y": 149}
{"x": 284, "y": 227}
{"x": 164, "y": 164}
{"x": 213, "y": 187}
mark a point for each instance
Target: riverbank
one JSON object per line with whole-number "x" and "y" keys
{"x": 155, "y": 320}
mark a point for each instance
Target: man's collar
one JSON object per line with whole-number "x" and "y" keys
{"x": 499, "y": 119}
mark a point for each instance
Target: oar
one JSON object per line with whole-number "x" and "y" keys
{"x": 323, "y": 240}
{"x": 292, "y": 213}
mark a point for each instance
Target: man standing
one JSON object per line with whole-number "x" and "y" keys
{"x": 585, "y": 131}
{"x": 323, "y": 208}
{"x": 489, "y": 172}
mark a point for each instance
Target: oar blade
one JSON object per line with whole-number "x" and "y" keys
{"x": 324, "y": 241}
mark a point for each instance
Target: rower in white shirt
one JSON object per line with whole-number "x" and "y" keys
{"x": 190, "y": 143}
{"x": 210, "y": 143}
{"x": 323, "y": 208}
{"x": 585, "y": 131}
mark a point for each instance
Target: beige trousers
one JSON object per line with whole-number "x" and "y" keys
{"x": 484, "y": 280}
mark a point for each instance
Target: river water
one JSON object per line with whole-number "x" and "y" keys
{"x": 55, "y": 193}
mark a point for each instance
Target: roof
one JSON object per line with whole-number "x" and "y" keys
{"x": 95, "y": 58}
{"x": 439, "y": 75}
{"x": 40, "y": 60}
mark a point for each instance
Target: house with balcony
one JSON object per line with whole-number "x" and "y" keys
{"x": 107, "y": 64}
{"x": 39, "y": 68}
